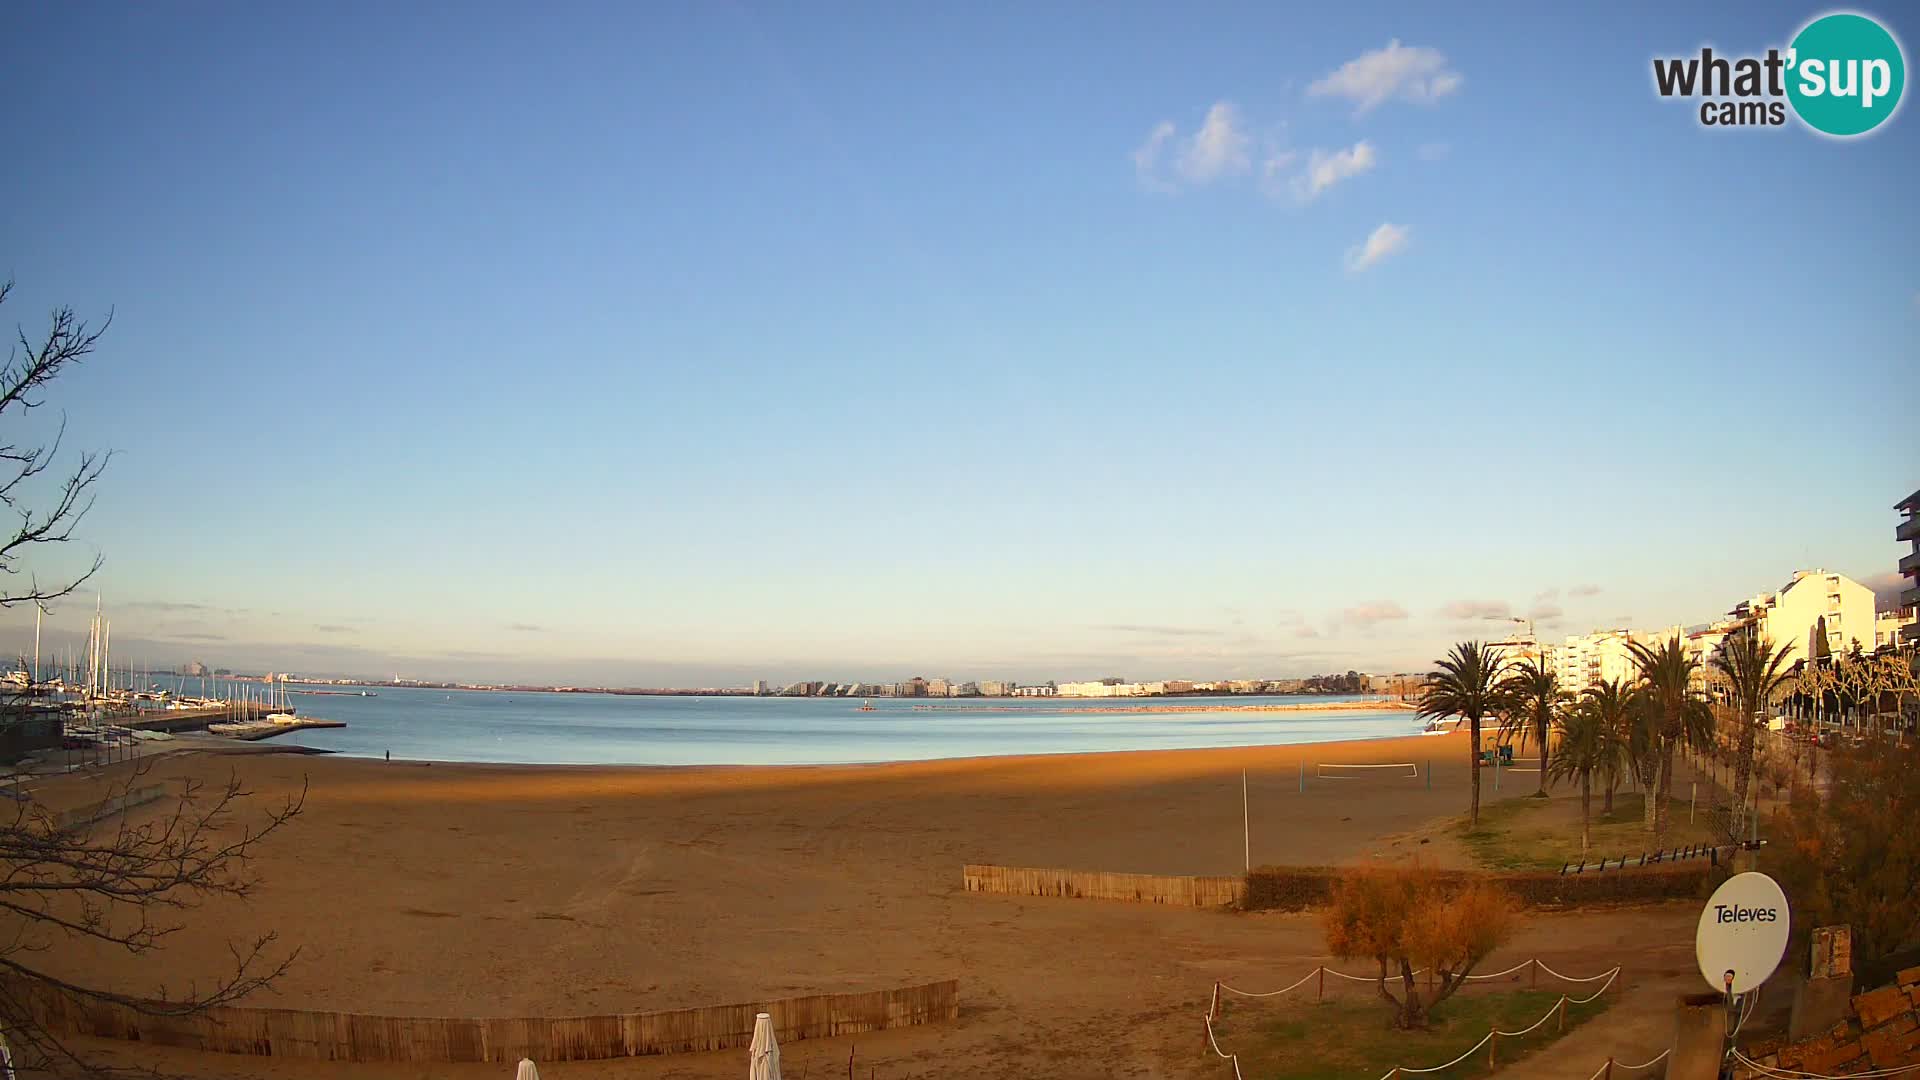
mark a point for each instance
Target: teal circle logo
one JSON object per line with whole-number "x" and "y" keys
{"x": 1845, "y": 74}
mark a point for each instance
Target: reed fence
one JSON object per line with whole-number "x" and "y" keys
{"x": 332, "y": 1036}
{"x": 1096, "y": 885}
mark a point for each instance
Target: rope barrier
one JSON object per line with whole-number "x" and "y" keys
{"x": 1277, "y": 993}
{"x": 1215, "y": 1043}
{"x": 1398, "y": 1069}
{"x": 1554, "y": 1010}
{"x": 1575, "y": 978}
{"x": 1795, "y": 1074}
{"x": 1521, "y": 966}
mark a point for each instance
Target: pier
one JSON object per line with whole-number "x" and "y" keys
{"x": 170, "y": 720}
{"x": 253, "y": 730}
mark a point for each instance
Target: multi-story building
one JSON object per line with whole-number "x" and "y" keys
{"x": 995, "y": 688}
{"x": 1102, "y": 688}
{"x": 759, "y": 686}
{"x": 1909, "y": 530}
{"x": 1049, "y": 690}
{"x": 1583, "y": 662}
{"x": 939, "y": 688}
{"x": 1816, "y": 614}
{"x": 1891, "y": 627}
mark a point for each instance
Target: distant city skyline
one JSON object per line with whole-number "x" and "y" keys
{"x": 1487, "y": 620}
{"x": 703, "y": 345}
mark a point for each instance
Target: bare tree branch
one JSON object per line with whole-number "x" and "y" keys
{"x": 33, "y": 363}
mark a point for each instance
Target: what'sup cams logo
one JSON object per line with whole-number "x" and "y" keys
{"x": 1842, "y": 76}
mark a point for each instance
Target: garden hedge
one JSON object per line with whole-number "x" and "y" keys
{"x": 1292, "y": 888}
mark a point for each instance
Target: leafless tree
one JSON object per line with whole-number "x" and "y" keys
{"x": 32, "y": 363}
{"x": 122, "y": 882}
{"x": 113, "y": 875}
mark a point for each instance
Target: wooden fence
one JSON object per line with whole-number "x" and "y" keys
{"x": 327, "y": 1036}
{"x": 1095, "y": 885}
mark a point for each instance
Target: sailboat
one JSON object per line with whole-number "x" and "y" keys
{"x": 866, "y": 706}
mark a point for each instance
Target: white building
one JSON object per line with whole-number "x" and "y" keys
{"x": 1888, "y": 625}
{"x": 1103, "y": 688}
{"x": 1815, "y": 614}
{"x": 1586, "y": 661}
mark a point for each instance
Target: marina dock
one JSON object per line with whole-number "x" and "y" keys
{"x": 252, "y": 730}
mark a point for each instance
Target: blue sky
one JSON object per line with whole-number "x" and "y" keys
{"x": 698, "y": 343}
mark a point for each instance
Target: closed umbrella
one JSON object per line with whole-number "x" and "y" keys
{"x": 764, "y": 1053}
{"x": 527, "y": 1070}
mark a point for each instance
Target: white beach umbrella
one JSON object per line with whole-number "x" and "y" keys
{"x": 764, "y": 1054}
{"x": 527, "y": 1070}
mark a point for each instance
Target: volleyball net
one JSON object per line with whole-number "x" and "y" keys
{"x": 1403, "y": 770}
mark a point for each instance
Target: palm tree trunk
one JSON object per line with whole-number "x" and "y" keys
{"x": 1742, "y": 776}
{"x": 1586, "y": 813}
{"x": 1473, "y": 811}
{"x": 1664, "y": 796}
{"x": 1543, "y": 758}
{"x": 1648, "y": 776}
{"x": 1607, "y": 806}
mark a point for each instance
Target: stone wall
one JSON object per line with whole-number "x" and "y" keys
{"x": 1882, "y": 1033}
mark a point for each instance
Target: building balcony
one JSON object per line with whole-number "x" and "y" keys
{"x": 1910, "y": 565}
{"x": 1910, "y": 599}
{"x": 1908, "y": 529}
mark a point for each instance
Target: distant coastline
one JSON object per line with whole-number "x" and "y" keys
{"x": 1309, "y": 696}
{"x": 1382, "y": 704}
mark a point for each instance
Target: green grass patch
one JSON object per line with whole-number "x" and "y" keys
{"x": 1532, "y": 834}
{"x": 1352, "y": 1039}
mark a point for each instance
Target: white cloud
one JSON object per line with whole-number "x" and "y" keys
{"x": 1478, "y": 609}
{"x": 1376, "y": 612}
{"x": 1146, "y": 157}
{"x": 1220, "y": 148}
{"x": 1380, "y": 243}
{"x": 1414, "y": 74}
{"x": 1327, "y": 169}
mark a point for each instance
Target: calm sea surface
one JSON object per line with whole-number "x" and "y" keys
{"x": 599, "y": 729}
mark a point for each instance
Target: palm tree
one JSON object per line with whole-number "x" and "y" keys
{"x": 1467, "y": 685}
{"x": 1756, "y": 672}
{"x": 1679, "y": 712}
{"x": 1613, "y": 702}
{"x": 1533, "y": 698}
{"x": 1590, "y": 746}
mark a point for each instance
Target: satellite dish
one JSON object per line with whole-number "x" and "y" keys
{"x": 1743, "y": 933}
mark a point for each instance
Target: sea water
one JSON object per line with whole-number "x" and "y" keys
{"x": 607, "y": 729}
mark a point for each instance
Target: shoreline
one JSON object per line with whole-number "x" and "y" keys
{"x": 1378, "y": 705}
{"x": 1242, "y": 754}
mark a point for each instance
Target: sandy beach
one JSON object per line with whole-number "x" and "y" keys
{"x": 442, "y": 889}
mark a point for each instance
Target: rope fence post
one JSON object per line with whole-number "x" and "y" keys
{"x": 1533, "y": 976}
{"x": 1213, "y": 1007}
{"x": 1493, "y": 1047}
{"x": 1322, "y": 995}
{"x": 1609, "y": 1069}
{"x": 1563, "y": 1013}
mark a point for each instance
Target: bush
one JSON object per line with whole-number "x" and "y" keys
{"x": 1288, "y": 888}
{"x": 1295, "y": 888}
